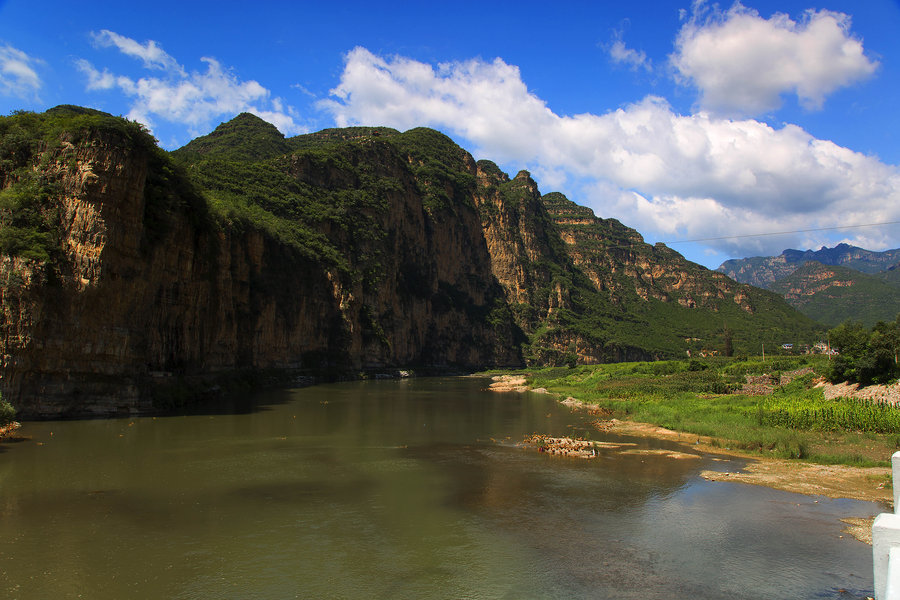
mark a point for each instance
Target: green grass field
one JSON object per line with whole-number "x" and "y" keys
{"x": 705, "y": 398}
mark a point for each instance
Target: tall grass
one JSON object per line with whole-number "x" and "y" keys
{"x": 829, "y": 415}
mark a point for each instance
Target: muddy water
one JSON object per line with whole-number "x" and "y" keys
{"x": 396, "y": 489}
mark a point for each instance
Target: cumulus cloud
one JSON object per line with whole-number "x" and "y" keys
{"x": 743, "y": 64}
{"x": 677, "y": 175}
{"x": 194, "y": 98}
{"x": 465, "y": 96}
{"x": 18, "y": 76}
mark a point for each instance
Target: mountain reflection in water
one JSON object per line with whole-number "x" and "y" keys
{"x": 397, "y": 489}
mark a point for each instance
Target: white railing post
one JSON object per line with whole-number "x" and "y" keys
{"x": 886, "y": 544}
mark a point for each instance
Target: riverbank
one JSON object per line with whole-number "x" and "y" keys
{"x": 868, "y": 483}
{"x": 7, "y": 431}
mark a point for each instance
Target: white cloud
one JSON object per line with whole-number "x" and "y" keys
{"x": 623, "y": 55}
{"x": 18, "y": 76}
{"x": 192, "y": 98}
{"x": 679, "y": 176}
{"x": 466, "y": 95}
{"x": 97, "y": 80}
{"x": 149, "y": 53}
{"x": 742, "y": 64}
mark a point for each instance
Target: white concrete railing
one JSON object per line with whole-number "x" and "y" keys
{"x": 886, "y": 544}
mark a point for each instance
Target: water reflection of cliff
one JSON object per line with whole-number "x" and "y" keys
{"x": 392, "y": 490}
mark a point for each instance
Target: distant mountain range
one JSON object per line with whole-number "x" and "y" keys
{"x": 830, "y": 285}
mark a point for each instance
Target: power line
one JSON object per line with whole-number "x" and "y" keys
{"x": 749, "y": 235}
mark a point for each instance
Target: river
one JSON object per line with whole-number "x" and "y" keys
{"x": 411, "y": 488}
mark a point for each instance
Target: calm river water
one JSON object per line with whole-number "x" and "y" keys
{"x": 396, "y": 489}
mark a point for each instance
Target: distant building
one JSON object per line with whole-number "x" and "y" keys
{"x": 823, "y": 348}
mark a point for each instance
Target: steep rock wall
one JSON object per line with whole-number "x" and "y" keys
{"x": 144, "y": 295}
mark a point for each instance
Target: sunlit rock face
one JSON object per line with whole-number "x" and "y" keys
{"x": 161, "y": 275}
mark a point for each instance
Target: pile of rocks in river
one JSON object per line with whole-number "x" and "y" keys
{"x": 563, "y": 446}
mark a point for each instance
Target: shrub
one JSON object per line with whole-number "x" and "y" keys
{"x": 7, "y": 412}
{"x": 866, "y": 356}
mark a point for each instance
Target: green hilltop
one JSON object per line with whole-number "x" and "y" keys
{"x": 830, "y": 285}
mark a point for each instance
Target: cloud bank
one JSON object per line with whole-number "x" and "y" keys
{"x": 194, "y": 98}
{"x": 743, "y": 64}
{"x": 680, "y": 176}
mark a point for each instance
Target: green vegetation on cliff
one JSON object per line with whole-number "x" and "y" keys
{"x": 322, "y": 195}
{"x": 244, "y": 138}
{"x": 663, "y": 302}
{"x": 27, "y": 217}
{"x": 439, "y": 167}
{"x": 7, "y": 413}
{"x": 348, "y": 248}
{"x": 29, "y": 201}
{"x": 38, "y": 149}
{"x": 832, "y": 294}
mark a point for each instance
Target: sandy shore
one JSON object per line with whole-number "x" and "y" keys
{"x": 834, "y": 481}
{"x": 508, "y": 383}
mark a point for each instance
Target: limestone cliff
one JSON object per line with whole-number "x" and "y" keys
{"x": 549, "y": 296}
{"x": 131, "y": 278}
{"x": 147, "y": 287}
{"x": 620, "y": 264}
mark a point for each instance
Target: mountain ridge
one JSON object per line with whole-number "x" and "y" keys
{"x": 833, "y": 294}
{"x": 762, "y": 271}
{"x": 156, "y": 274}
{"x": 830, "y": 285}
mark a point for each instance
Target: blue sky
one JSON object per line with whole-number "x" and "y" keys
{"x": 685, "y": 120}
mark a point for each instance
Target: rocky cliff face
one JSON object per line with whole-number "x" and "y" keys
{"x": 620, "y": 264}
{"x": 124, "y": 308}
{"x": 529, "y": 260}
{"x": 522, "y": 244}
{"x": 835, "y": 294}
{"x": 129, "y": 275}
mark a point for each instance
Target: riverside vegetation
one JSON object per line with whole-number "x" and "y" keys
{"x": 789, "y": 418}
{"x": 707, "y": 398}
